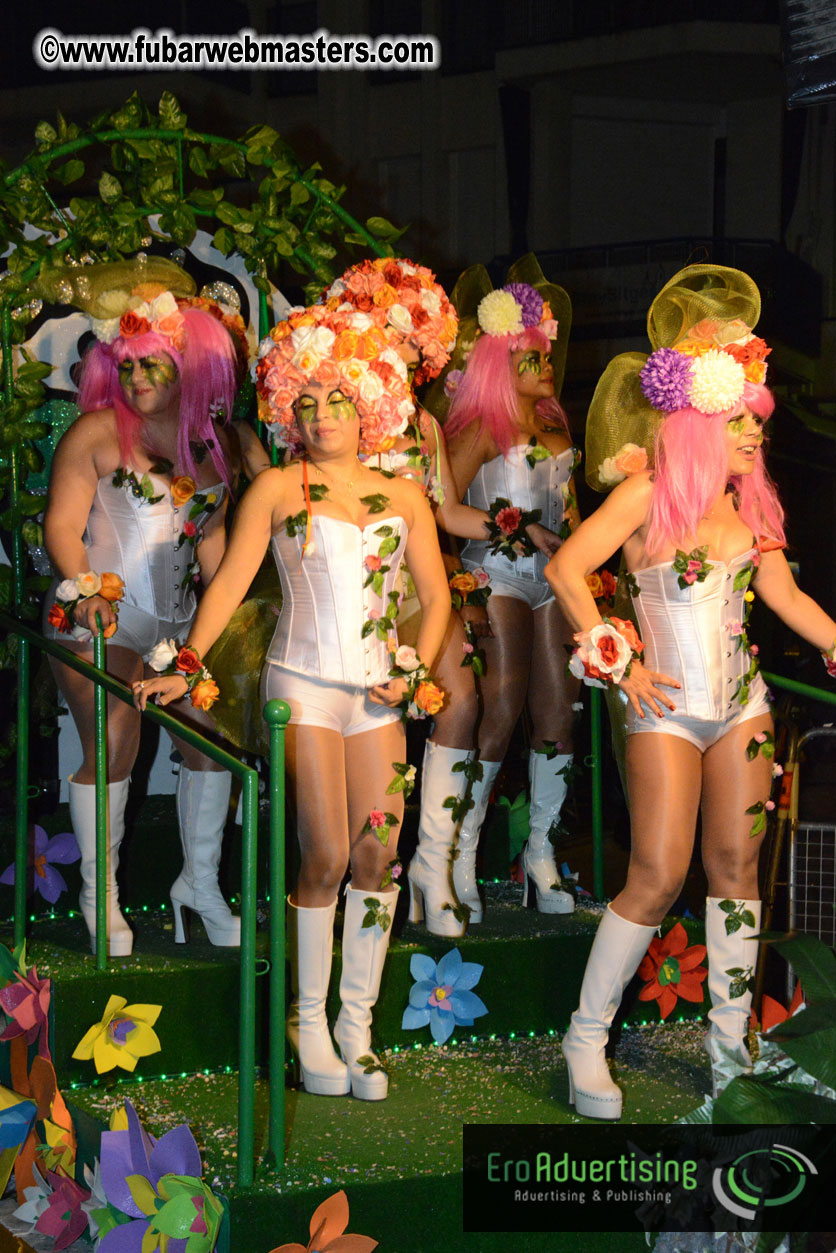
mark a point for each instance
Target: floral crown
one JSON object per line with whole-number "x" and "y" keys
{"x": 707, "y": 370}
{"x": 340, "y": 349}
{"x": 512, "y": 309}
{"x": 147, "y": 309}
{"x": 406, "y": 302}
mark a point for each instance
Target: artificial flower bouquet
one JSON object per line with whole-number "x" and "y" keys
{"x": 70, "y": 591}
{"x": 167, "y": 658}
{"x": 424, "y": 698}
{"x": 469, "y": 587}
{"x": 507, "y": 532}
{"x": 605, "y": 654}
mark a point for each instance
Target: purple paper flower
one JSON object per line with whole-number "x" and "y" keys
{"x": 529, "y": 300}
{"x": 666, "y": 380}
{"x": 47, "y": 880}
{"x": 451, "y": 382}
{"x": 441, "y": 995}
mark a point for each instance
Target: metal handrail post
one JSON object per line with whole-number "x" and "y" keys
{"x": 102, "y": 834}
{"x": 22, "y": 790}
{"x": 246, "y": 1028}
{"x": 800, "y": 689}
{"x": 597, "y": 795}
{"x": 277, "y": 714}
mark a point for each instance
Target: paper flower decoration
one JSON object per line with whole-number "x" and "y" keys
{"x": 773, "y": 1012}
{"x": 442, "y": 996}
{"x": 328, "y": 1223}
{"x": 15, "y": 1121}
{"x": 46, "y": 879}
{"x": 58, "y": 1149}
{"x": 26, "y": 1002}
{"x": 154, "y": 1192}
{"x": 124, "y": 1034}
{"x": 36, "y": 1202}
{"x": 673, "y": 970}
{"x": 63, "y": 1217}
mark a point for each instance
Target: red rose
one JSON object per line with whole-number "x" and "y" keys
{"x": 608, "y": 648}
{"x": 508, "y": 519}
{"x": 58, "y": 618}
{"x": 188, "y": 661}
{"x": 130, "y": 325}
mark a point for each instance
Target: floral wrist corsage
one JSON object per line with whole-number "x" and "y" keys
{"x": 507, "y": 532}
{"x": 605, "y": 654}
{"x": 829, "y": 659}
{"x": 167, "y": 658}
{"x": 70, "y": 591}
{"x": 469, "y": 587}
{"x": 424, "y": 698}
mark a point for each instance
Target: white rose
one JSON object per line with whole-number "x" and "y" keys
{"x": 405, "y": 410}
{"x": 336, "y": 289}
{"x": 609, "y": 473}
{"x": 407, "y": 659}
{"x": 391, "y": 358}
{"x": 322, "y": 340}
{"x": 66, "y": 590}
{"x": 431, "y": 302}
{"x": 360, "y": 321}
{"x": 302, "y": 338}
{"x": 400, "y": 318}
{"x": 408, "y": 269}
{"x": 624, "y": 651}
{"x": 163, "y": 305}
{"x": 162, "y": 655}
{"x": 370, "y": 388}
{"x": 88, "y": 583}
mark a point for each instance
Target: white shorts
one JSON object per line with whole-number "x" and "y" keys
{"x": 137, "y": 630}
{"x": 316, "y": 702}
{"x": 701, "y": 732}
{"x": 535, "y": 592}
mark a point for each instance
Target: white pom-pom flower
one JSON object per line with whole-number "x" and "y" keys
{"x": 106, "y": 329}
{"x": 499, "y": 314}
{"x": 717, "y": 382}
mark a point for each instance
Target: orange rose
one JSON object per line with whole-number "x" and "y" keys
{"x": 183, "y": 487}
{"x": 631, "y": 459}
{"x": 171, "y": 325}
{"x": 110, "y": 630}
{"x": 130, "y": 325}
{"x": 370, "y": 344}
{"x": 188, "y": 662}
{"x": 755, "y": 371}
{"x": 281, "y": 331}
{"x": 205, "y": 693}
{"x": 303, "y": 319}
{"x": 112, "y": 587}
{"x": 464, "y": 584}
{"x": 628, "y": 632}
{"x": 58, "y": 619}
{"x": 385, "y": 296}
{"x": 345, "y": 346}
{"x": 429, "y": 697}
{"x": 595, "y": 585}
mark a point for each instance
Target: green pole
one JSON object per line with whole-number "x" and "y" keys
{"x": 800, "y": 689}
{"x": 276, "y": 714}
{"x": 102, "y": 836}
{"x": 246, "y": 1029}
{"x": 597, "y": 799}
{"x": 22, "y": 790}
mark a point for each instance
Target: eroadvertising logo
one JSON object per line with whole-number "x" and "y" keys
{"x": 651, "y": 1178}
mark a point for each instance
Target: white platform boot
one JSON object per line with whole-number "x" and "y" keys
{"x": 542, "y": 877}
{"x": 364, "y": 956}
{"x": 120, "y": 938}
{"x": 202, "y": 811}
{"x": 430, "y": 873}
{"x": 617, "y": 950}
{"x": 464, "y": 866}
{"x": 732, "y": 959}
{"x": 310, "y": 945}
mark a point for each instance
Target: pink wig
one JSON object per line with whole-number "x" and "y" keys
{"x": 691, "y": 470}
{"x": 486, "y": 393}
{"x": 206, "y": 367}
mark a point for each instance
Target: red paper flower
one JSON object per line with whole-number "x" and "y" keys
{"x": 328, "y": 1224}
{"x": 773, "y": 1012}
{"x": 63, "y": 1219}
{"x": 26, "y": 1002}
{"x": 673, "y": 970}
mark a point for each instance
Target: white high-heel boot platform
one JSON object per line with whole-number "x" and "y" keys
{"x": 310, "y": 945}
{"x": 732, "y": 959}
{"x": 541, "y": 875}
{"x": 464, "y": 865}
{"x": 120, "y": 938}
{"x": 364, "y": 956}
{"x": 202, "y": 811}
{"x": 617, "y": 950}
{"x": 430, "y": 873}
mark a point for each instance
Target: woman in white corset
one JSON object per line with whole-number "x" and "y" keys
{"x": 338, "y": 531}
{"x": 511, "y": 455}
{"x": 139, "y": 488}
{"x": 699, "y": 536}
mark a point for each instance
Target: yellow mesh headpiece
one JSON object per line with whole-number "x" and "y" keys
{"x": 108, "y": 289}
{"x": 715, "y": 296}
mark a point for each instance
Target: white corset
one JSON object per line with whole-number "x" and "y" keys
{"x": 325, "y": 605}
{"x": 144, "y": 543}
{"x": 686, "y": 634}
{"x": 511, "y": 478}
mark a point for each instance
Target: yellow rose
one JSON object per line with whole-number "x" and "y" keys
{"x": 204, "y": 694}
{"x": 429, "y": 697}
{"x": 464, "y": 584}
{"x": 183, "y": 487}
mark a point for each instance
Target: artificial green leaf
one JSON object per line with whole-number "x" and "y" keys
{"x": 45, "y": 136}
{"x": 70, "y": 171}
{"x": 172, "y": 117}
{"x": 813, "y": 961}
{"x": 750, "y": 1100}
{"x": 110, "y": 189}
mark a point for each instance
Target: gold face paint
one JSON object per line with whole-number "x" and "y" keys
{"x": 530, "y": 364}
{"x": 158, "y": 371}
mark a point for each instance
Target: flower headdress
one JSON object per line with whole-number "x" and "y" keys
{"x": 406, "y": 301}
{"x": 703, "y": 354}
{"x": 527, "y": 300}
{"x": 342, "y": 349}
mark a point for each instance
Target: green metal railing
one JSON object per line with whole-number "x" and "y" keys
{"x": 278, "y": 716}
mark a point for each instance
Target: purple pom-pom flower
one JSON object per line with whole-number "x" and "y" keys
{"x": 529, "y": 300}
{"x": 666, "y": 380}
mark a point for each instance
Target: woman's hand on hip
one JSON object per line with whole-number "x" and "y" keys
{"x": 391, "y": 693}
{"x": 641, "y": 685}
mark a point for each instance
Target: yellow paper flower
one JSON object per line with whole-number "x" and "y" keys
{"x": 124, "y": 1034}
{"x": 119, "y": 1119}
{"x": 60, "y": 1152}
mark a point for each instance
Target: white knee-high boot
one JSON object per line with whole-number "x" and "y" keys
{"x": 732, "y": 958}
{"x": 617, "y": 950}
{"x": 542, "y": 877}
{"x": 364, "y": 956}
{"x": 310, "y": 944}
{"x": 430, "y": 873}
{"x": 120, "y": 938}
{"x": 464, "y": 866}
{"x": 202, "y": 811}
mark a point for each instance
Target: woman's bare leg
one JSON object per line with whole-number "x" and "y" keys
{"x": 369, "y": 771}
{"x": 551, "y": 689}
{"x": 731, "y": 785}
{"x": 507, "y": 667}
{"x": 456, "y": 724}
{"x": 315, "y": 761}
{"x": 123, "y": 721}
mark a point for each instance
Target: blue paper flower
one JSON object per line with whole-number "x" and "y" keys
{"x": 45, "y": 878}
{"x": 15, "y": 1121}
{"x": 441, "y": 995}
